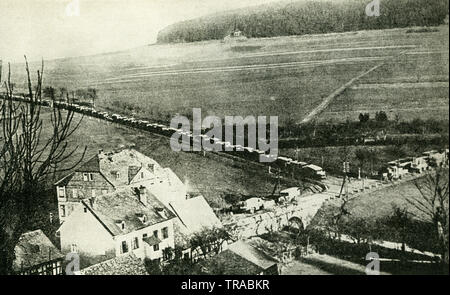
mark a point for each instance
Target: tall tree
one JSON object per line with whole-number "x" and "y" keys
{"x": 400, "y": 221}
{"x": 28, "y": 158}
{"x": 433, "y": 205}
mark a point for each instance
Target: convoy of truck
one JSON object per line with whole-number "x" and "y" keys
{"x": 281, "y": 162}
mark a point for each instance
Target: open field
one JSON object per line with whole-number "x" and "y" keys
{"x": 380, "y": 203}
{"x": 413, "y": 86}
{"x": 284, "y": 76}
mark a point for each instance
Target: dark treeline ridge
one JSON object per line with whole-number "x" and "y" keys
{"x": 307, "y": 17}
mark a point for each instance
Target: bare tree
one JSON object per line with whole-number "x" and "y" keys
{"x": 400, "y": 221}
{"x": 28, "y": 158}
{"x": 331, "y": 218}
{"x": 433, "y": 205}
{"x": 209, "y": 240}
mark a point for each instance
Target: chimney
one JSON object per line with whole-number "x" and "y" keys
{"x": 142, "y": 195}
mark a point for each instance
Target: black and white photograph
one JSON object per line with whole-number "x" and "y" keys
{"x": 224, "y": 138}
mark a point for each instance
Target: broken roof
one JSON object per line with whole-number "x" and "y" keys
{"x": 123, "y": 206}
{"x": 34, "y": 248}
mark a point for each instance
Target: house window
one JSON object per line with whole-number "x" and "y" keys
{"x": 135, "y": 243}
{"x": 117, "y": 175}
{"x": 85, "y": 210}
{"x": 73, "y": 248}
{"x": 156, "y": 247}
{"x": 155, "y": 233}
{"x": 124, "y": 247}
{"x": 88, "y": 177}
{"x": 144, "y": 236}
{"x": 74, "y": 193}
{"x": 165, "y": 232}
{"x": 142, "y": 174}
{"x": 63, "y": 210}
{"x": 61, "y": 192}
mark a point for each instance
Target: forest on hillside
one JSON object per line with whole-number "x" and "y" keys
{"x": 307, "y": 17}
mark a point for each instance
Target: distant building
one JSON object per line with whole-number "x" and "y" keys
{"x": 121, "y": 265}
{"x": 241, "y": 259}
{"x": 36, "y": 255}
{"x": 126, "y": 221}
{"x": 398, "y": 168}
{"x": 436, "y": 158}
{"x": 237, "y": 33}
{"x": 419, "y": 164}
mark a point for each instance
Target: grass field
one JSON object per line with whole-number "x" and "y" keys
{"x": 285, "y": 76}
{"x": 380, "y": 204}
{"x": 413, "y": 86}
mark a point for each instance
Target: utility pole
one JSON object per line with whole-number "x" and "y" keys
{"x": 346, "y": 170}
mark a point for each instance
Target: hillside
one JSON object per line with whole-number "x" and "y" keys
{"x": 284, "y": 76}
{"x": 307, "y": 17}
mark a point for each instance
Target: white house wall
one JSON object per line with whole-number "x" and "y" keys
{"x": 87, "y": 233}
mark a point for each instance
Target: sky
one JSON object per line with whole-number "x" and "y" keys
{"x": 52, "y": 29}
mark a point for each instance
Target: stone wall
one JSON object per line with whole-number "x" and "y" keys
{"x": 245, "y": 226}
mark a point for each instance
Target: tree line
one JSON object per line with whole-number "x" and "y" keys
{"x": 307, "y": 17}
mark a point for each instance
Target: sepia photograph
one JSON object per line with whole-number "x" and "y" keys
{"x": 224, "y": 139}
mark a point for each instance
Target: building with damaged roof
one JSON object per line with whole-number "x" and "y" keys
{"x": 107, "y": 172}
{"x": 126, "y": 221}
